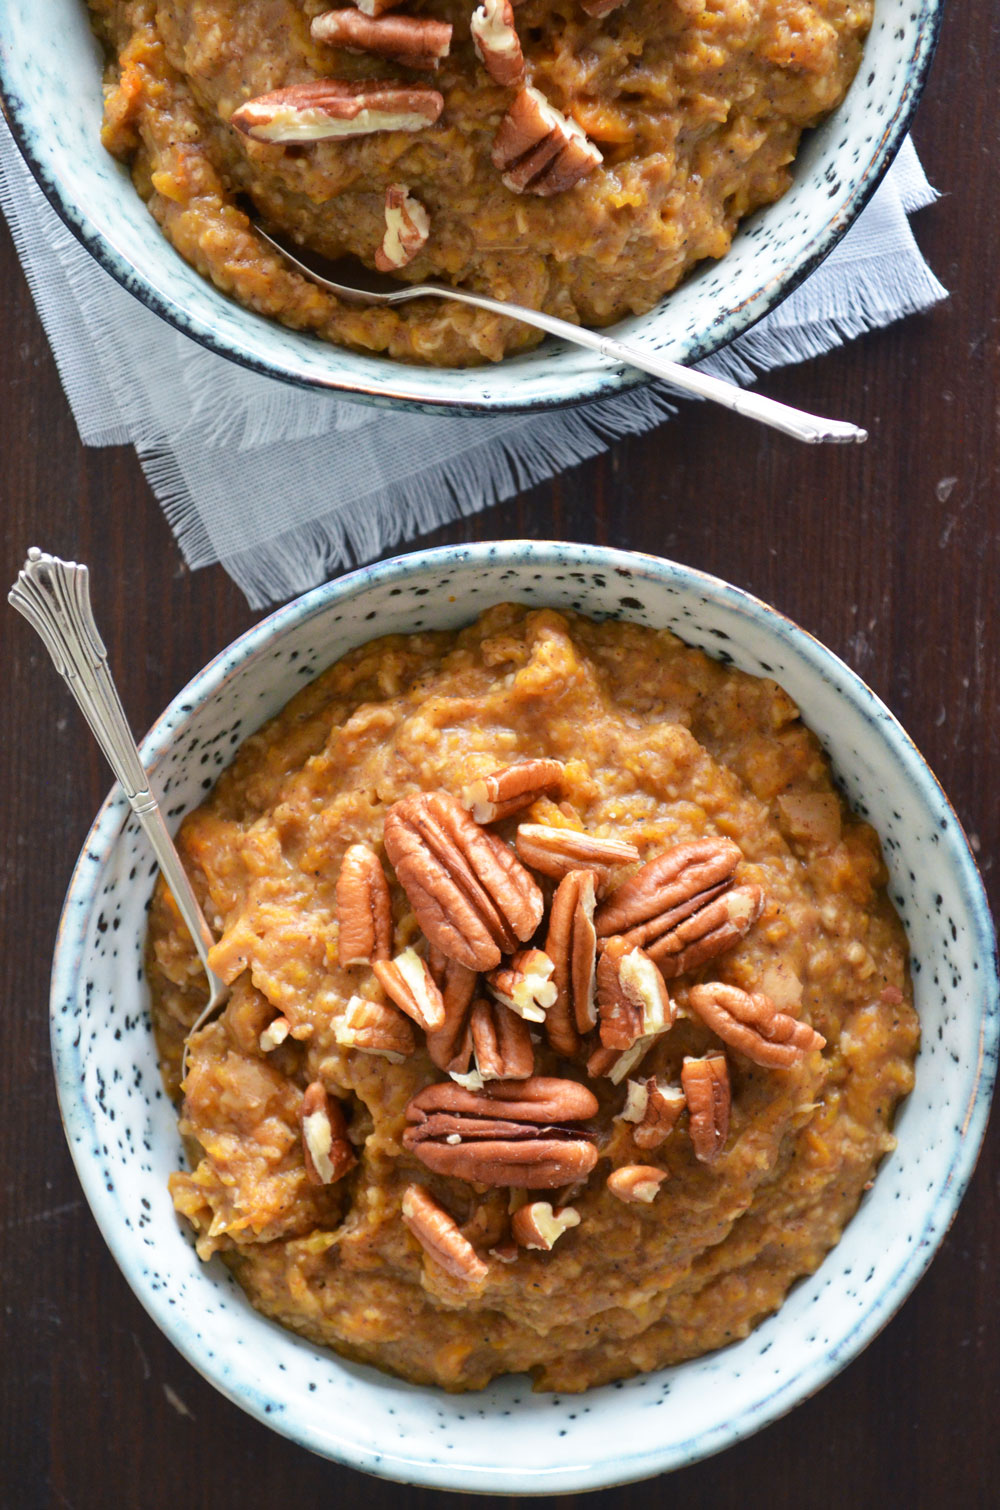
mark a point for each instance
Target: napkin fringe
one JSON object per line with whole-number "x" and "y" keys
{"x": 504, "y": 466}
{"x": 286, "y": 486}
{"x": 881, "y": 291}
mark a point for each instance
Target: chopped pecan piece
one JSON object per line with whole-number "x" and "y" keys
{"x": 337, "y": 107}
{"x": 407, "y": 981}
{"x": 636, "y": 1182}
{"x": 556, "y": 851}
{"x": 326, "y": 1150}
{"x": 373, "y": 1027}
{"x": 496, "y": 42}
{"x": 472, "y": 897}
{"x": 706, "y": 1090}
{"x": 653, "y": 1109}
{"x": 491, "y": 798}
{"x": 632, "y": 999}
{"x": 572, "y": 946}
{"x": 501, "y": 1042}
{"x": 450, "y": 1047}
{"x": 417, "y": 42}
{"x": 681, "y": 907}
{"x": 538, "y": 150}
{"x": 439, "y": 1236}
{"x": 516, "y": 1133}
{"x": 601, "y": 8}
{"x": 616, "y": 1063}
{"x": 364, "y": 910}
{"x": 525, "y": 984}
{"x": 407, "y": 227}
{"x": 537, "y": 1225}
{"x": 753, "y": 1024}
{"x": 274, "y": 1034}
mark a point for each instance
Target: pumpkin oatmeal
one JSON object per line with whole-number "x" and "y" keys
{"x": 578, "y": 156}
{"x": 569, "y": 1012}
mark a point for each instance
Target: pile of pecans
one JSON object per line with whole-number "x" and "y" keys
{"x": 597, "y": 990}
{"x": 537, "y": 149}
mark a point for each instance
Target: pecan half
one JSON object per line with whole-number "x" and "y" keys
{"x": 407, "y": 227}
{"x": 538, "y": 150}
{"x": 556, "y": 851}
{"x": 537, "y": 1225}
{"x": 753, "y": 1024}
{"x": 632, "y": 999}
{"x": 681, "y": 907}
{"x": 572, "y": 946}
{"x": 636, "y": 1182}
{"x": 706, "y": 1090}
{"x": 491, "y": 798}
{"x": 668, "y": 889}
{"x": 450, "y": 1047}
{"x": 496, "y": 42}
{"x": 707, "y": 933}
{"x": 373, "y": 1027}
{"x": 653, "y": 1109}
{"x": 364, "y": 910}
{"x": 524, "y": 983}
{"x": 326, "y": 1150}
{"x": 439, "y": 1236}
{"x": 337, "y": 107}
{"x": 516, "y": 1133}
{"x": 501, "y": 1042}
{"x": 417, "y": 42}
{"x": 472, "y": 897}
{"x": 407, "y": 981}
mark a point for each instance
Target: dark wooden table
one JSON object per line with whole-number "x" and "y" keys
{"x": 890, "y": 554}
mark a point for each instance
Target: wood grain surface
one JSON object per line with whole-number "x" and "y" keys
{"x": 890, "y": 554}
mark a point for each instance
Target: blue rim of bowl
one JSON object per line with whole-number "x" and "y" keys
{"x": 799, "y": 1386}
{"x": 605, "y": 381}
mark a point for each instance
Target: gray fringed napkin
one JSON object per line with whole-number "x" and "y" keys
{"x": 222, "y": 446}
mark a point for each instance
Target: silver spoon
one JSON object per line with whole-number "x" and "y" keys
{"x": 364, "y": 286}
{"x": 54, "y": 597}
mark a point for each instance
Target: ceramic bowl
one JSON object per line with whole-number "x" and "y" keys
{"x": 123, "y": 1134}
{"x": 53, "y": 102}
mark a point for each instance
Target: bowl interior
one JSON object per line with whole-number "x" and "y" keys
{"x": 53, "y": 100}
{"x": 122, "y": 1129}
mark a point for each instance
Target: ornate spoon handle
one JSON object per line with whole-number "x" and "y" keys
{"x": 54, "y": 596}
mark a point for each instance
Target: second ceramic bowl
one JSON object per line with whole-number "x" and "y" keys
{"x": 53, "y": 100}
{"x": 123, "y": 1132}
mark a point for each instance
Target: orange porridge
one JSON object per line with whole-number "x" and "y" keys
{"x": 569, "y": 1012}
{"x": 577, "y": 156}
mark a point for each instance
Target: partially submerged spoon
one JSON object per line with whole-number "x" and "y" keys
{"x": 350, "y": 280}
{"x": 54, "y": 597}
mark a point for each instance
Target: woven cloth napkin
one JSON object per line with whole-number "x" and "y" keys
{"x": 223, "y": 448}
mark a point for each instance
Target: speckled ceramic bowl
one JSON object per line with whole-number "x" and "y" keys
{"x": 123, "y": 1133}
{"x": 53, "y": 101}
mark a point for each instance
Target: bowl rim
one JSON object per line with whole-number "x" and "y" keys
{"x": 598, "y": 380}
{"x": 106, "y": 832}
